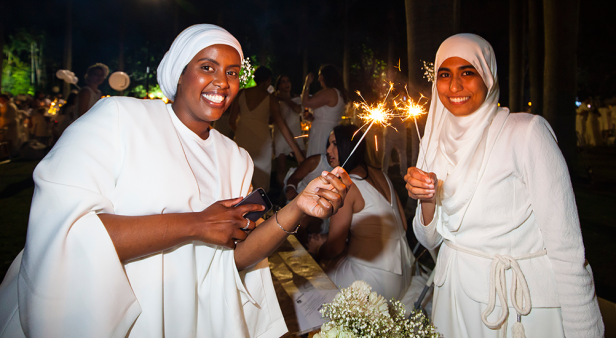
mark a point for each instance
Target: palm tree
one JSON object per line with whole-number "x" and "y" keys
{"x": 535, "y": 54}
{"x": 516, "y": 55}
{"x": 560, "y": 76}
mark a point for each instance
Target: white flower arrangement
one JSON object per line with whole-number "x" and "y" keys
{"x": 428, "y": 68}
{"x": 358, "y": 312}
{"x": 246, "y": 73}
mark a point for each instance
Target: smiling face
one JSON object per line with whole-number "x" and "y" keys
{"x": 460, "y": 87}
{"x": 332, "y": 151}
{"x": 207, "y": 86}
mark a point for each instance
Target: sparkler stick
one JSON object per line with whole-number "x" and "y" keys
{"x": 376, "y": 144}
{"x": 362, "y": 137}
{"x": 413, "y": 110}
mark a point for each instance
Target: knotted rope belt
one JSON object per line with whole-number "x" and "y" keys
{"x": 520, "y": 294}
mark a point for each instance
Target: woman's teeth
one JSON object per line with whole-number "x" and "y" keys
{"x": 214, "y": 97}
{"x": 459, "y": 99}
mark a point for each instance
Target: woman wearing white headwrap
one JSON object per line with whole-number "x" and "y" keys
{"x": 495, "y": 189}
{"x": 140, "y": 238}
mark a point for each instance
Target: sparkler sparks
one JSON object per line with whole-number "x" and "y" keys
{"x": 412, "y": 110}
{"x": 376, "y": 113}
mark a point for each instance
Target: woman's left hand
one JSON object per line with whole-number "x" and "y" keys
{"x": 325, "y": 195}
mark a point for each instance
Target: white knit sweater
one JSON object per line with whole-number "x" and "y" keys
{"x": 524, "y": 203}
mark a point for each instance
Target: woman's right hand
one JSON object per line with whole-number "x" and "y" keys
{"x": 421, "y": 185}
{"x": 224, "y": 224}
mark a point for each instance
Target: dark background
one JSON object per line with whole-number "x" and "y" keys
{"x": 272, "y": 31}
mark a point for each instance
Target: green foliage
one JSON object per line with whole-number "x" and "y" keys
{"x": 16, "y": 77}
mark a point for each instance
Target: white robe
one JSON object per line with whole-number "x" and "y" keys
{"x": 524, "y": 203}
{"x": 124, "y": 157}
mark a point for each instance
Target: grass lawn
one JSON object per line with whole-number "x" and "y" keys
{"x": 596, "y": 199}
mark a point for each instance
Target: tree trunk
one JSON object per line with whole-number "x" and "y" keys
{"x": 346, "y": 57}
{"x": 535, "y": 54}
{"x": 414, "y": 70}
{"x": 516, "y": 55}
{"x": 1, "y": 50}
{"x": 68, "y": 44}
{"x": 560, "y": 75}
{"x": 457, "y": 11}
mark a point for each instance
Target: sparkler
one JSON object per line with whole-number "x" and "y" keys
{"x": 377, "y": 113}
{"x": 412, "y": 110}
{"x": 301, "y": 136}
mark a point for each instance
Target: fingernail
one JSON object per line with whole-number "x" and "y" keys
{"x": 324, "y": 173}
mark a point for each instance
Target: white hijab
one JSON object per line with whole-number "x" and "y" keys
{"x": 458, "y": 148}
{"x": 190, "y": 42}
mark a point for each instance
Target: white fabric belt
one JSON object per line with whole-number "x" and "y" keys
{"x": 520, "y": 294}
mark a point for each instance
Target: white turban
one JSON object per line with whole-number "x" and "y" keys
{"x": 190, "y": 42}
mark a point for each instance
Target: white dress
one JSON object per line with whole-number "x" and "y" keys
{"x": 292, "y": 118}
{"x": 94, "y": 97}
{"x": 253, "y": 134}
{"x": 127, "y": 157}
{"x": 377, "y": 250}
{"x": 325, "y": 119}
{"x": 523, "y": 204}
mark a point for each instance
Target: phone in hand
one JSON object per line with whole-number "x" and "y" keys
{"x": 258, "y": 196}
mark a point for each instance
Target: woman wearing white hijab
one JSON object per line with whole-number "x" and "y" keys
{"x": 133, "y": 230}
{"x": 504, "y": 208}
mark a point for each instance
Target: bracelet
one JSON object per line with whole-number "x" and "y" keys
{"x": 280, "y": 226}
{"x": 290, "y": 185}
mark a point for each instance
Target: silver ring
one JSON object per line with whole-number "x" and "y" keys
{"x": 247, "y": 225}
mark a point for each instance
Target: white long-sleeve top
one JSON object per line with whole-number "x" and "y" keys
{"x": 125, "y": 157}
{"x": 524, "y": 203}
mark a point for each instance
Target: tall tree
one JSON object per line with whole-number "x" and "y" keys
{"x": 560, "y": 75}
{"x": 457, "y": 12}
{"x": 1, "y": 50}
{"x": 535, "y": 54}
{"x": 346, "y": 54}
{"x": 516, "y": 55}
{"x": 68, "y": 43}
{"x": 412, "y": 59}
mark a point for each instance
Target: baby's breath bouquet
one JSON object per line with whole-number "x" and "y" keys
{"x": 358, "y": 312}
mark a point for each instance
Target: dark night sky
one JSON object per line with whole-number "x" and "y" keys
{"x": 273, "y": 26}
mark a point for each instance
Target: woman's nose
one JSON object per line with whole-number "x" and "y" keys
{"x": 456, "y": 84}
{"x": 221, "y": 81}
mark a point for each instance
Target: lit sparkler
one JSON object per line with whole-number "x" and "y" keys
{"x": 412, "y": 110}
{"x": 301, "y": 136}
{"x": 376, "y": 113}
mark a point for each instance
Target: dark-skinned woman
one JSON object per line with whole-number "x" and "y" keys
{"x": 133, "y": 230}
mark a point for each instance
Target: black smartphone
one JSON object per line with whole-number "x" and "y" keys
{"x": 258, "y": 196}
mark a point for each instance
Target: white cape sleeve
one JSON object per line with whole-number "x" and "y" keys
{"x": 71, "y": 282}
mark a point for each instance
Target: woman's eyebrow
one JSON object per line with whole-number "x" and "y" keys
{"x": 443, "y": 69}
{"x": 217, "y": 63}
{"x": 467, "y": 67}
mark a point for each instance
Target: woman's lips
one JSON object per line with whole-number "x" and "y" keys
{"x": 459, "y": 99}
{"x": 214, "y": 99}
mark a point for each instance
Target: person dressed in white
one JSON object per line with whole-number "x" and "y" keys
{"x": 496, "y": 191}
{"x": 290, "y": 110}
{"x": 126, "y": 237}
{"x": 327, "y": 105}
{"x": 367, "y": 237}
{"x": 255, "y": 106}
{"x": 90, "y": 94}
